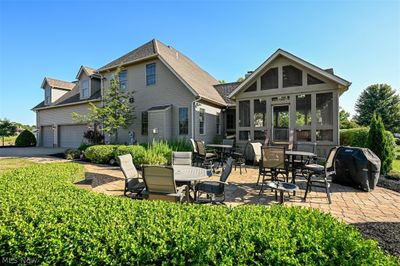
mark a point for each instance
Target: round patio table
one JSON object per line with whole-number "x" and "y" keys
{"x": 187, "y": 173}
{"x": 293, "y": 155}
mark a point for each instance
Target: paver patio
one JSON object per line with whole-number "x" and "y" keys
{"x": 348, "y": 204}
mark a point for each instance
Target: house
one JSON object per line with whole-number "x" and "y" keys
{"x": 54, "y": 122}
{"x": 285, "y": 100}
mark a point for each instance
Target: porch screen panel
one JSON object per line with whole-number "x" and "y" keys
{"x": 270, "y": 79}
{"x": 324, "y": 114}
{"x": 244, "y": 113}
{"x": 260, "y": 109}
{"x": 303, "y": 117}
{"x": 292, "y": 76}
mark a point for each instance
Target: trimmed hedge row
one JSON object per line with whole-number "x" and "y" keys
{"x": 156, "y": 153}
{"x": 45, "y": 218}
{"x": 357, "y": 137}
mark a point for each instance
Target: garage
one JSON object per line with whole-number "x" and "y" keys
{"x": 47, "y": 136}
{"x": 71, "y": 136}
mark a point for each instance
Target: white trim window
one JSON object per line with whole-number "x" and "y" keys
{"x": 151, "y": 74}
{"x": 123, "y": 80}
{"x": 202, "y": 118}
{"x": 183, "y": 121}
{"x": 47, "y": 96}
{"x": 85, "y": 89}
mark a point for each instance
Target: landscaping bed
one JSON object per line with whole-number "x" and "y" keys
{"x": 387, "y": 235}
{"x": 44, "y": 217}
{"x": 389, "y": 183}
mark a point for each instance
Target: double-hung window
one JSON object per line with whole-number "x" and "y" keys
{"x": 201, "y": 121}
{"x": 183, "y": 121}
{"x": 85, "y": 89}
{"x": 151, "y": 74}
{"x": 145, "y": 123}
{"x": 123, "y": 80}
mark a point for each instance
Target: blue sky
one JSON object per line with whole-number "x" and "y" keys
{"x": 359, "y": 39}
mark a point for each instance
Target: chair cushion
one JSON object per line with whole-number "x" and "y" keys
{"x": 210, "y": 187}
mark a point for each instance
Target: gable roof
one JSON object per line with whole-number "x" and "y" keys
{"x": 56, "y": 83}
{"x": 69, "y": 98}
{"x": 196, "y": 79}
{"x": 325, "y": 73}
{"x": 88, "y": 70}
{"x": 225, "y": 89}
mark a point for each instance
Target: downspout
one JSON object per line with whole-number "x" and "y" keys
{"x": 193, "y": 110}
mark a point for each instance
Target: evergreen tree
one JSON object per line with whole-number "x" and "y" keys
{"x": 383, "y": 100}
{"x": 115, "y": 112}
{"x": 377, "y": 142}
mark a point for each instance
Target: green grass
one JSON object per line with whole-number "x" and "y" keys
{"x": 395, "y": 172}
{"x": 12, "y": 163}
{"x": 8, "y": 141}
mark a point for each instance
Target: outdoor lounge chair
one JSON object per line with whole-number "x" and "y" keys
{"x": 273, "y": 164}
{"x": 206, "y": 158}
{"x": 215, "y": 190}
{"x": 160, "y": 185}
{"x": 319, "y": 174}
{"x": 181, "y": 158}
{"x": 133, "y": 182}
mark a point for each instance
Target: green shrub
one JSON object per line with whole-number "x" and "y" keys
{"x": 45, "y": 218}
{"x": 379, "y": 143}
{"x": 356, "y": 137}
{"x": 25, "y": 139}
{"x": 71, "y": 154}
{"x": 180, "y": 145}
{"x": 151, "y": 157}
{"x": 100, "y": 153}
{"x": 138, "y": 153}
{"x": 84, "y": 146}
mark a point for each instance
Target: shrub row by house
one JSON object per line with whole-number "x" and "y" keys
{"x": 156, "y": 153}
{"x": 47, "y": 219}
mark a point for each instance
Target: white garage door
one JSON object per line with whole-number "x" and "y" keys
{"x": 71, "y": 136}
{"x": 47, "y": 136}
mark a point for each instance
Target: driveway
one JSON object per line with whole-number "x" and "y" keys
{"x": 29, "y": 151}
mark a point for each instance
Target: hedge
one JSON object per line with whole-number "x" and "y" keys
{"x": 138, "y": 152}
{"x": 45, "y": 218}
{"x": 25, "y": 139}
{"x": 100, "y": 153}
{"x": 357, "y": 137}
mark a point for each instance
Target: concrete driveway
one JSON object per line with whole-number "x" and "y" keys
{"x": 29, "y": 151}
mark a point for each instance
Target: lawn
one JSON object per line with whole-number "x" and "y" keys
{"x": 8, "y": 141}
{"x": 396, "y": 164}
{"x": 12, "y": 163}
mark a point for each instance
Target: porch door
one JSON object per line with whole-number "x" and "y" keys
{"x": 280, "y": 123}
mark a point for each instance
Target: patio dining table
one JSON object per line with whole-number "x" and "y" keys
{"x": 221, "y": 148}
{"x": 190, "y": 175}
{"x": 292, "y": 155}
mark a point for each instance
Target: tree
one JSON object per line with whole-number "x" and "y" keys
{"x": 7, "y": 128}
{"x": 345, "y": 121}
{"x": 383, "y": 100}
{"x": 378, "y": 142}
{"x": 115, "y": 112}
{"x": 222, "y": 81}
{"x": 240, "y": 79}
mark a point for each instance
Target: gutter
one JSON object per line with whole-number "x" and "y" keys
{"x": 67, "y": 104}
{"x": 193, "y": 110}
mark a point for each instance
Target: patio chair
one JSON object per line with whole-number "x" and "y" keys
{"x": 195, "y": 152}
{"x": 181, "y": 158}
{"x": 133, "y": 182}
{"x": 273, "y": 164}
{"x": 300, "y": 163}
{"x": 319, "y": 174}
{"x": 215, "y": 190}
{"x": 205, "y": 157}
{"x": 160, "y": 185}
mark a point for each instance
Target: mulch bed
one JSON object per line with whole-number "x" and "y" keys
{"x": 386, "y": 233}
{"x": 389, "y": 183}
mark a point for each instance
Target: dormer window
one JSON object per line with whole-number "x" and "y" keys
{"x": 85, "y": 89}
{"x": 47, "y": 96}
